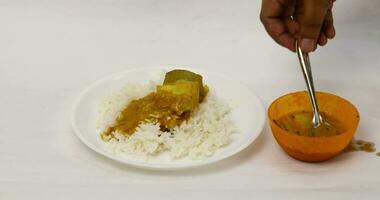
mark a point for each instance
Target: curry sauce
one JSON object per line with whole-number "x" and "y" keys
{"x": 300, "y": 123}
{"x": 164, "y": 108}
{"x": 169, "y": 106}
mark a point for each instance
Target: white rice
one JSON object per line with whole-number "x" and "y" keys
{"x": 209, "y": 128}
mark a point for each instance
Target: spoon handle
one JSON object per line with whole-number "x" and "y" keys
{"x": 306, "y": 69}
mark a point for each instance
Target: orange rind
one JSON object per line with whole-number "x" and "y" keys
{"x": 313, "y": 149}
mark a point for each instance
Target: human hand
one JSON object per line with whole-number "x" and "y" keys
{"x": 308, "y": 21}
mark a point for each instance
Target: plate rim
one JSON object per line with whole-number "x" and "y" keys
{"x": 144, "y": 165}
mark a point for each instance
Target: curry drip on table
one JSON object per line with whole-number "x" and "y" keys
{"x": 362, "y": 145}
{"x": 170, "y": 105}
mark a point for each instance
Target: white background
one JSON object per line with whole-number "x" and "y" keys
{"x": 51, "y": 50}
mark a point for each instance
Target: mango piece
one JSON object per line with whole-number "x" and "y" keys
{"x": 178, "y": 74}
{"x": 186, "y": 90}
{"x": 304, "y": 119}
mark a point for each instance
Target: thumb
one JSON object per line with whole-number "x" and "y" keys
{"x": 311, "y": 20}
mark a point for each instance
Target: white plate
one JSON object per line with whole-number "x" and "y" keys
{"x": 248, "y": 114}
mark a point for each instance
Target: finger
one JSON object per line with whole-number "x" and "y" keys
{"x": 313, "y": 16}
{"x": 291, "y": 25}
{"x": 322, "y": 40}
{"x": 328, "y": 25}
{"x": 275, "y": 8}
{"x": 311, "y": 20}
{"x": 272, "y": 15}
{"x": 288, "y": 11}
{"x": 277, "y": 29}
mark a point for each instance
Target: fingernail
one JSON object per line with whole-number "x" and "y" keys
{"x": 307, "y": 45}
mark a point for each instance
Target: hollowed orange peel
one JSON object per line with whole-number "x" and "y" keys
{"x": 314, "y": 149}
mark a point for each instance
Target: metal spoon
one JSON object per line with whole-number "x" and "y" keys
{"x": 306, "y": 69}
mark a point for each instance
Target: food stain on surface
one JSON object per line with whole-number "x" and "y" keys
{"x": 361, "y": 145}
{"x": 300, "y": 123}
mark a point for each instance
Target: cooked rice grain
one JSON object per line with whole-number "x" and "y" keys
{"x": 209, "y": 128}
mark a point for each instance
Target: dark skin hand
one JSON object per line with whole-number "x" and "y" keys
{"x": 308, "y": 21}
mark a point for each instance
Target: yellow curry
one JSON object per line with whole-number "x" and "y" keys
{"x": 171, "y": 104}
{"x": 300, "y": 123}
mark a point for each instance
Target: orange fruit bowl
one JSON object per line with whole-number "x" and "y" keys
{"x": 313, "y": 149}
